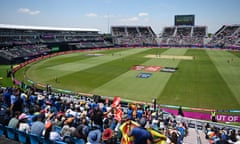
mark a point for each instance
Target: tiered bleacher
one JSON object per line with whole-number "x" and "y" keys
{"x": 23, "y": 51}
{"x": 186, "y": 36}
{"x": 133, "y": 36}
{"x": 20, "y": 42}
{"x": 228, "y": 36}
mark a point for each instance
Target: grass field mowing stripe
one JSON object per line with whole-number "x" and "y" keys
{"x": 59, "y": 70}
{"x": 129, "y": 87}
{"x": 228, "y": 66}
{"x": 84, "y": 80}
{"x": 197, "y": 83}
{"x": 74, "y": 57}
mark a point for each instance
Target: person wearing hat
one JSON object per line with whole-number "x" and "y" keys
{"x": 68, "y": 128}
{"x": 59, "y": 119}
{"x": 50, "y": 133}
{"x": 23, "y": 124}
{"x": 94, "y": 136}
{"x": 140, "y": 134}
{"x": 107, "y": 136}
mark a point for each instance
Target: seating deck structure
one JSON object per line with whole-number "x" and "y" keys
{"x": 133, "y": 36}
{"x": 226, "y": 36}
{"x": 188, "y": 36}
{"x": 20, "y": 43}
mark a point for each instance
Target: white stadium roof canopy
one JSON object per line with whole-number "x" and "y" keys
{"x": 21, "y": 27}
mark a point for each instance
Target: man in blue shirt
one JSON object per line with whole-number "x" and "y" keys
{"x": 38, "y": 126}
{"x": 7, "y": 97}
{"x": 140, "y": 134}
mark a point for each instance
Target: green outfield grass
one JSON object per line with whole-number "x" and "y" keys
{"x": 207, "y": 81}
{"x": 4, "y": 81}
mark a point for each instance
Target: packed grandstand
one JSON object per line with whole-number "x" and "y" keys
{"x": 25, "y": 42}
{"x": 79, "y": 119}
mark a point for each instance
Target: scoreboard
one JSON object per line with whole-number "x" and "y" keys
{"x": 184, "y": 20}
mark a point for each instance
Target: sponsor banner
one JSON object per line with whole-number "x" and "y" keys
{"x": 146, "y": 68}
{"x": 152, "y": 68}
{"x": 17, "y": 82}
{"x": 144, "y": 75}
{"x": 138, "y": 67}
{"x": 234, "y": 111}
{"x": 205, "y": 116}
{"x": 169, "y": 69}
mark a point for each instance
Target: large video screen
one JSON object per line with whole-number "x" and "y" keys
{"x": 184, "y": 20}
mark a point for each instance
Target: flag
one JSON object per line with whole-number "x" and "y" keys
{"x": 118, "y": 114}
{"x": 157, "y": 135}
{"x": 116, "y": 101}
{"x": 125, "y": 128}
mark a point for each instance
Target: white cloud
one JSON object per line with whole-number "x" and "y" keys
{"x": 131, "y": 19}
{"x": 142, "y": 14}
{"x": 28, "y": 11}
{"x": 91, "y": 15}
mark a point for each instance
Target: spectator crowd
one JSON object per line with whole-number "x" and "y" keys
{"x": 65, "y": 117}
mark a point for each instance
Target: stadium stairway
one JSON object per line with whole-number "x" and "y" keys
{"x": 195, "y": 137}
{"x": 202, "y": 137}
{"x": 191, "y": 138}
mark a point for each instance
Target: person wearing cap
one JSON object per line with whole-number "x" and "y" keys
{"x": 23, "y": 124}
{"x": 140, "y": 134}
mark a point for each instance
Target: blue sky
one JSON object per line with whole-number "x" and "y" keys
{"x": 101, "y": 13}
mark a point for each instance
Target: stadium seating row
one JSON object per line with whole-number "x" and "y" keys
{"x": 133, "y": 36}
{"x": 184, "y": 35}
{"x": 23, "y": 137}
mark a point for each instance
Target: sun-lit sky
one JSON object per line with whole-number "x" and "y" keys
{"x": 101, "y": 14}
